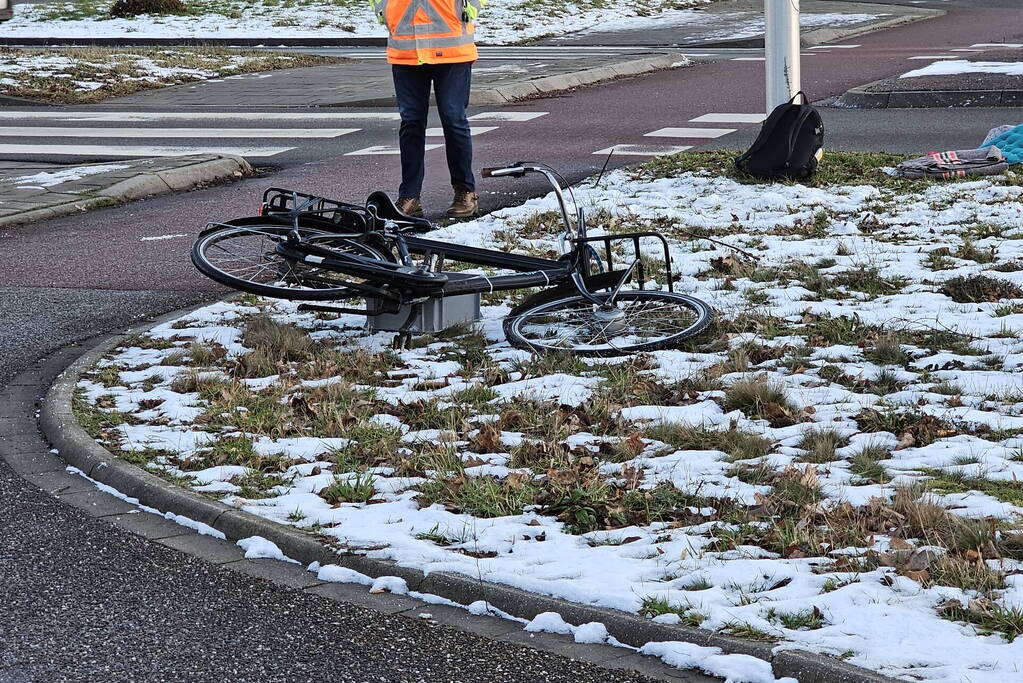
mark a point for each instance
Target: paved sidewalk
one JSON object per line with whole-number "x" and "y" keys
{"x": 32, "y": 191}
{"x": 367, "y": 82}
{"x": 740, "y": 23}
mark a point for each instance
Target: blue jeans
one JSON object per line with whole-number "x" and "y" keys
{"x": 412, "y": 88}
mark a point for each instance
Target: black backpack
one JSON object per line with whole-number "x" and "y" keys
{"x": 789, "y": 143}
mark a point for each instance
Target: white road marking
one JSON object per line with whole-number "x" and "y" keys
{"x": 508, "y": 115}
{"x": 747, "y": 59}
{"x": 1006, "y": 45}
{"x": 376, "y": 150}
{"x": 44, "y": 132}
{"x": 832, "y": 47}
{"x": 689, "y": 133}
{"x": 965, "y": 49}
{"x": 934, "y": 57}
{"x": 162, "y": 237}
{"x": 475, "y": 130}
{"x": 140, "y": 151}
{"x": 729, "y": 118}
{"x": 196, "y": 116}
{"x": 643, "y": 150}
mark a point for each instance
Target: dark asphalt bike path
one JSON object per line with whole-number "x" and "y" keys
{"x": 82, "y": 600}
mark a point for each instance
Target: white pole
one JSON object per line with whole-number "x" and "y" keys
{"x": 781, "y": 50}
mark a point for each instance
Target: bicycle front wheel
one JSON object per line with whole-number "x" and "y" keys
{"x": 637, "y": 321}
{"x": 244, "y": 257}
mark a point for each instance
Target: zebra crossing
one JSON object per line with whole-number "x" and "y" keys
{"x": 695, "y": 134}
{"x": 268, "y": 137}
{"x": 258, "y": 136}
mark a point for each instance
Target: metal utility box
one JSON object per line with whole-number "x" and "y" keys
{"x": 436, "y": 314}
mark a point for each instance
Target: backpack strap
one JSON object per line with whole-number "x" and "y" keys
{"x": 806, "y": 100}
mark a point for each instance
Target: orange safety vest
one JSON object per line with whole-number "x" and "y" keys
{"x": 429, "y": 31}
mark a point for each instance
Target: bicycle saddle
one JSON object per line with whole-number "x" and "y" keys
{"x": 382, "y": 206}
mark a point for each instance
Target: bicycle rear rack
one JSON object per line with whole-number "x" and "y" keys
{"x": 281, "y": 204}
{"x": 634, "y": 237}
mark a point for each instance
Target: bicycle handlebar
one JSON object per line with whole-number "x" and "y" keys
{"x": 514, "y": 171}
{"x": 520, "y": 168}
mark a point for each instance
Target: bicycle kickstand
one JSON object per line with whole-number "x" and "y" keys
{"x": 403, "y": 338}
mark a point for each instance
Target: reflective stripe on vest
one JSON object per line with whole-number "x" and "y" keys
{"x": 427, "y": 43}
{"x": 428, "y": 31}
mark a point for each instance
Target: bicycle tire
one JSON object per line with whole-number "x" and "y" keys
{"x": 265, "y": 263}
{"x": 582, "y": 307}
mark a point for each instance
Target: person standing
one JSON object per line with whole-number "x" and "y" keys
{"x": 431, "y": 43}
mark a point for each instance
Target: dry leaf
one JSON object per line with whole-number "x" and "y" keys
{"x": 905, "y": 441}
{"x": 900, "y": 544}
{"x": 633, "y": 444}
{"x": 920, "y": 576}
{"x": 723, "y": 264}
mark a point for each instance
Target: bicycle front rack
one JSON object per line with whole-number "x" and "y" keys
{"x": 634, "y": 238}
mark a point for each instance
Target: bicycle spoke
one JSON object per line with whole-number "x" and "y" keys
{"x": 577, "y": 325}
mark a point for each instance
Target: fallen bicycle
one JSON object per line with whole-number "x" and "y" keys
{"x": 308, "y": 248}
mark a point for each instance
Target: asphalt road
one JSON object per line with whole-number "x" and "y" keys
{"x": 83, "y": 601}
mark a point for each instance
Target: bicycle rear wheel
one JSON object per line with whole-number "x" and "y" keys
{"x": 638, "y": 321}
{"x": 245, "y": 257}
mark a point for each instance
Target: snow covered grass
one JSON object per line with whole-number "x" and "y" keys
{"x": 834, "y": 466}
{"x": 955, "y": 67}
{"x": 503, "y": 22}
{"x": 84, "y": 75}
{"x": 45, "y": 179}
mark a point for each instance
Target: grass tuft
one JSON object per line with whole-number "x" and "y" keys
{"x": 763, "y": 399}
{"x": 979, "y": 289}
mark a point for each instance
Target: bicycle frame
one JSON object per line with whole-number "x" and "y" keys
{"x": 404, "y": 281}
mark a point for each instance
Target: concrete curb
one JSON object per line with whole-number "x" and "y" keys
{"x": 553, "y": 84}
{"x": 194, "y": 42}
{"x": 144, "y": 184}
{"x": 8, "y": 101}
{"x": 823, "y": 36}
{"x": 861, "y": 98}
{"x": 77, "y": 448}
{"x": 548, "y": 85}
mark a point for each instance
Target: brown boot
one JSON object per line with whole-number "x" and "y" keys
{"x": 465, "y": 205}
{"x": 410, "y": 206}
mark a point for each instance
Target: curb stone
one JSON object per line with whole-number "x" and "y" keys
{"x": 77, "y": 448}
{"x": 822, "y": 36}
{"x": 549, "y": 85}
{"x": 862, "y": 98}
{"x": 144, "y": 184}
{"x": 196, "y": 42}
{"x": 9, "y": 101}
{"x": 561, "y": 82}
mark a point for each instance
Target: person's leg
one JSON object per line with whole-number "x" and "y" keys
{"x": 451, "y": 84}
{"x": 412, "y": 90}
